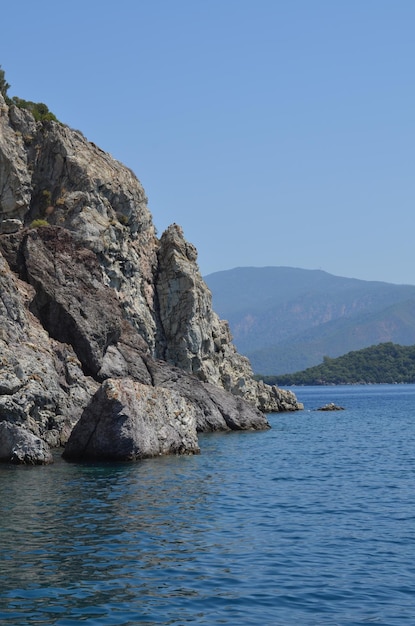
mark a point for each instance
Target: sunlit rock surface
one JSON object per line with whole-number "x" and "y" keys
{"x": 89, "y": 293}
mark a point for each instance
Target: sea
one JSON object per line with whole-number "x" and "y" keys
{"x": 311, "y": 522}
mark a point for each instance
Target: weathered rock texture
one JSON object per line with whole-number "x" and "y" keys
{"x": 126, "y": 420}
{"x": 42, "y": 386}
{"x": 18, "y": 445}
{"x": 92, "y": 295}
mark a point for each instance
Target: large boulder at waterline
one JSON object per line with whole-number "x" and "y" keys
{"x": 127, "y": 420}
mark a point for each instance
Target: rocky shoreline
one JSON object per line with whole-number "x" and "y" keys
{"x": 108, "y": 341}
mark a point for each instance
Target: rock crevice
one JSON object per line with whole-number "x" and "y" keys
{"x": 89, "y": 294}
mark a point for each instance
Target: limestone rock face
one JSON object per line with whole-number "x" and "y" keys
{"x": 65, "y": 332}
{"x": 192, "y": 335}
{"x": 15, "y": 178}
{"x": 89, "y": 294}
{"x": 71, "y": 300}
{"x": 18, "y": 445}
{"x": 126, "y": 421}
{"x": 42, "y": 386}
{"x": 52, "y": 173}
{"x": 217, "y": 409}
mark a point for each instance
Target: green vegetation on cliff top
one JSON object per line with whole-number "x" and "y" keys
{"x": 382, "y": 363}
{"x": 39, "y": 110}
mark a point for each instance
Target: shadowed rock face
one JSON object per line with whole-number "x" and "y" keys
{"x": 126, "y": 421}
{"x": 42, "y": 386}
{"x": 71, "y": 301}
{"x": 18, "y": 445}
{"x": 95, "y": 296}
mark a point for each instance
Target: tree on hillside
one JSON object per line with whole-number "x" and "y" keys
{"x": 4, "y": 85}
{"x": 381, "y": 363}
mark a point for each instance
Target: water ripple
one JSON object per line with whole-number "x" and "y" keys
{"x": 309, "y": 523}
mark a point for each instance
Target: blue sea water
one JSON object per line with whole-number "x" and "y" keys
{"x": 312, "y": 522}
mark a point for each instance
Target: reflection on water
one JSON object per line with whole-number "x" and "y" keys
{"x": 310, "y": 523}
{"x": 95, "y": 532}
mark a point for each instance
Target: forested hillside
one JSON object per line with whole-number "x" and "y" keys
{"x": 383, "y": 363}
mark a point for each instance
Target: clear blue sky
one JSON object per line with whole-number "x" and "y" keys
{"x": 275, "y": 132}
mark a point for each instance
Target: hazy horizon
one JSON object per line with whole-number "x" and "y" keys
{"x": 274, "y": 132}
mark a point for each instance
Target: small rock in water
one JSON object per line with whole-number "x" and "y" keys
{"x": 331, "y": 407}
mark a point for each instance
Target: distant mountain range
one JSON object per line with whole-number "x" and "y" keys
{"x": 287, "y": 319}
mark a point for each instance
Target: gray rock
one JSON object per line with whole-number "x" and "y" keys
{"x": 216, "y": 409}
{"x": 10, "y": 226}
{"x": 17, "y": 445}
{"x": 74, "y": 184}
{"x": 192, "y": 336}
{"x": 15, "y": 177}
{"x": 96, "y": 296}
{"x": 126, "y": 421}
{"x": 330, "y": 407}
{"x": 42, "y": 386}
{"x": 71, "y": 300}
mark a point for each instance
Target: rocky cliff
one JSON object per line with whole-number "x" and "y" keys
{"x": 89, "y": 294}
